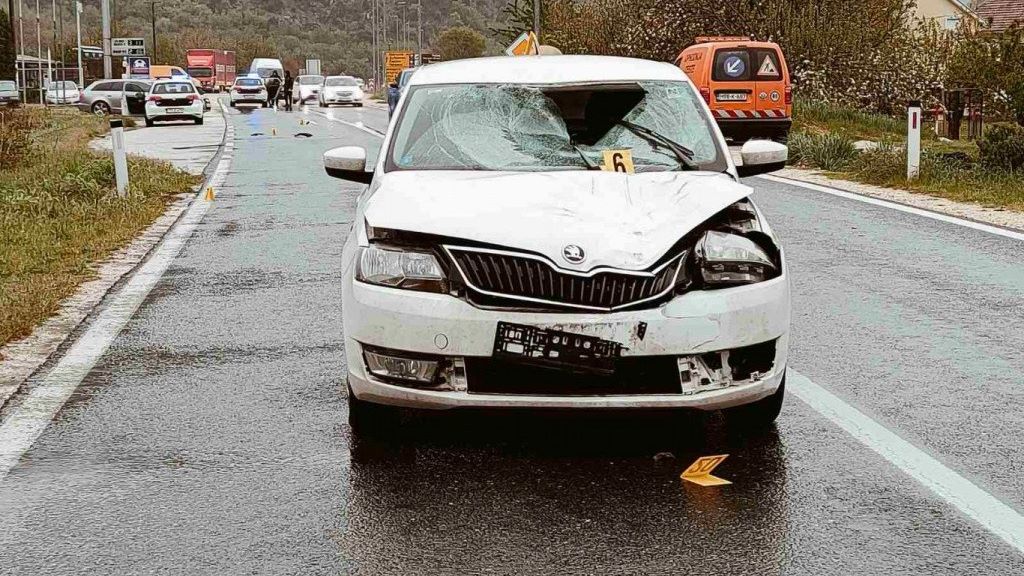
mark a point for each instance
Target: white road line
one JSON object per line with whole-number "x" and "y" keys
{"x": 959, "y": 492}
{"x": 901, "y": 207}
{"x": 25, "y": 423}
{"x": 358, "y": 125}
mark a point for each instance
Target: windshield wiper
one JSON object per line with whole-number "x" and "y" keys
{"x": 684, "y": 154}
{"x": 590, "y": 164}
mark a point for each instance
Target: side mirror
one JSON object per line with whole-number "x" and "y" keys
{"x": 761, "y": 157}
{"x": 348, "y": 163}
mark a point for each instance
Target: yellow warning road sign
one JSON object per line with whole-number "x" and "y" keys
{"x": 618, "y": 161}
{"x": 700, "y": 471}
{"x": 525, "y": 45}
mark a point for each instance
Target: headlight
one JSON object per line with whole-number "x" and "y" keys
{"x": 729, "y": 260}
{"x": 401, "y": 269}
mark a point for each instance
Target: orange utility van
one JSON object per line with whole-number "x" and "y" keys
{"x": 745, "y": 83}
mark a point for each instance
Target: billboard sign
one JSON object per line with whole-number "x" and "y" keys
{"x": 395, "y": 62}
{"x": 138, "y": 67}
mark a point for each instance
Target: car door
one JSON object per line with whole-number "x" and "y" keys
{"x": 769, "y": 82}
{"x": 135, "y": 96}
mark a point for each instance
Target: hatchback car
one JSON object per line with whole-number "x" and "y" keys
{"x": 248, "y": 90}
{"x": 560, "y": 232}
{"x": 340, "y": 90}
{"x": 9, "y": 95}
{"x": 62, "y": 92}
{"x": 307, "y": 87}
{"x": 173, "y": 100}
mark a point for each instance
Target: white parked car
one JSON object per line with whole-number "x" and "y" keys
{"x": 505, "y": 255}
{"x": 248, "y": 90}
{"x": 174, "y": 100}
{"x": 307, "y": 87}
{"x": 340, "y": 90}
{"x": 62, "y": 92}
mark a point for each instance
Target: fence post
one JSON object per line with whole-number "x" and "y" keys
{"x": 913, "y": 139}
{"x": 120, "y": 159}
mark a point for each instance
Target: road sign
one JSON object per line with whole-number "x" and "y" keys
{"x": 429, "y": 58}
{"x": 395, "y": 62}
{"x": 128, "y": 46}
{"x": 138, "y": 67}
{"x": 734, "y": 67}
{"x": 524, "y": 45}
{"x": 767, "y": 67}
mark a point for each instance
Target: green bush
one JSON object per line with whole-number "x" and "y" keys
{"x": 829, "y": 151}
{"x": 1002, "y": 147}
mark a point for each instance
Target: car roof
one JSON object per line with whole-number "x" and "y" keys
{"x": 340, "y": 76}
{"x": 545, "y": 70}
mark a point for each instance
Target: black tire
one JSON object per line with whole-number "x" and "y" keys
{"x": 369, "y": 420}
{"x": 199, "y": 121}
{"x": 149, "y": 122}
{"x": 782, "y": 136}
{"x": 360, "y": 105}
{"x": 101, "y": 108}
{"x": 757, "y": 415}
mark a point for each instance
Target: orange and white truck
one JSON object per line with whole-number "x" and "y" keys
{"x": 745, "y": 83}
{"x": 213, "y": 69}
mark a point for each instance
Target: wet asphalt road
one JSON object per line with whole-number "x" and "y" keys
{"x": 211, "y": 437}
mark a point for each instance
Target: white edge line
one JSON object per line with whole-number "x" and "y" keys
{"x": 28, "y": 421}
{"x": 362, "y": 127}
{"x": 901, "y": 207}
{"x": 993, "y": 515}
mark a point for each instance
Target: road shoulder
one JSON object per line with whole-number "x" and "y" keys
{"x": 23, "y": 358}
{"x": 995, "y": 216}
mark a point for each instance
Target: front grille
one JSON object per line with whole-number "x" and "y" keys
{"x": 529, "y": 278}
{"x": 630, "y": 376}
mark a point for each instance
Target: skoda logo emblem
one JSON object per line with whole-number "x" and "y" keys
{"x": 573, "y": 254}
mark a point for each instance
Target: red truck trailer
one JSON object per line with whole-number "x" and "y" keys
{"x": 213, "y": 69}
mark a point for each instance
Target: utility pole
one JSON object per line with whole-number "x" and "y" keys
{"x": 419, "y": 30}
{"x": 78, "y": 35}
{"x": 537, "y": 19}
{"x": 21, "y": 51}
{"x": 108, "y": 69}
{"x": 152, "y": 12}
{"x": 39, "y": 56}
{"x": 53, "y": 42}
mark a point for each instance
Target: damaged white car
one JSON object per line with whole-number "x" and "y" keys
{"x": 560, "y": 232}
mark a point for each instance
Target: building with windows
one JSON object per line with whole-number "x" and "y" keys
{"x": 948, "y": 14}
{"x": 998, "y": 15}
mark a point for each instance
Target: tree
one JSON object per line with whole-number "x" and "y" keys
{"x": 7, "y": 50}
{"x": 460, "y": 42}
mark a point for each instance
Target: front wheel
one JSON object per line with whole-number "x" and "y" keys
{"x": 369, "y": 420}
{"x": 757, "y": 415}
{"x": 199, "y": 121}
{"x": 149, "y": 122}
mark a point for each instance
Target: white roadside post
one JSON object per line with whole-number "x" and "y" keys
{"x": 913, "y": 139}
{"x": 120, "y": 159}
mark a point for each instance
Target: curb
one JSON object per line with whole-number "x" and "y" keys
{"x": 24, "y": 358}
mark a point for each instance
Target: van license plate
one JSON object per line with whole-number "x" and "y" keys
{"x": 731, "y": 97}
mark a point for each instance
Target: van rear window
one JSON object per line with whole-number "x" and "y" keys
{"x": 746, "y": 64}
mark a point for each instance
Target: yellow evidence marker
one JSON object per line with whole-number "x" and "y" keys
{"x": 618, "y": 161}
{"x": 209, "y": 194}
{"x": 700, "y": 471}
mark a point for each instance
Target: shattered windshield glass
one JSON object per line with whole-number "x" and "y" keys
{"x": 533, "y": 128}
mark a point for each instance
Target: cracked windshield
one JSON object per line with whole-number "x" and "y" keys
{"x": 516, "y": 127}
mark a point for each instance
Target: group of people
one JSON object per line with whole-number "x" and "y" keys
{"x": 278, "y": 87}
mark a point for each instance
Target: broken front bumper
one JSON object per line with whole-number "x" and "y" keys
{"x": 451, "y": 330}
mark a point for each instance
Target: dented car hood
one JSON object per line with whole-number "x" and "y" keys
{"x": 621, "y": 221}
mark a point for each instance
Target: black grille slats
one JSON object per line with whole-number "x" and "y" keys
{"x": 525, "y": 277}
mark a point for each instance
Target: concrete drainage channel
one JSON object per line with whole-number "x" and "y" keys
{"x": 26, "y": 361}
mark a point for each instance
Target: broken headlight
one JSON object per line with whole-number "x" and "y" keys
{"x": 397, "y": 268}
{"x": 728, "y": 259}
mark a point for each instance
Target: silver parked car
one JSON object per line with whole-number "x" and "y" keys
{"x": 104, "y": 97}
{"x": 9, "y": 95}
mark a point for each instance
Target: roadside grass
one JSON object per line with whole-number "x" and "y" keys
{"x": 59, "y": 214}
{"x": 823, "y": 137}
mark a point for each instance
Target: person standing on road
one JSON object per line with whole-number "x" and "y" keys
{"x": 286, "y": 90}
{"x": 393, "y": 96}
{"x": 273, "y": 87}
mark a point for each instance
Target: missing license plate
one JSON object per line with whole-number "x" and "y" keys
{"x": 554, "y": 347}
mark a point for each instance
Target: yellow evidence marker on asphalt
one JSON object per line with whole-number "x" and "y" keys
{"x": 700, "y": 471}
{"x": 209, "y": 194}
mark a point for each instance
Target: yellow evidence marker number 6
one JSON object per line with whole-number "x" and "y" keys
{"x": 619, "y": 161}
{"x": 700, "y": 471}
